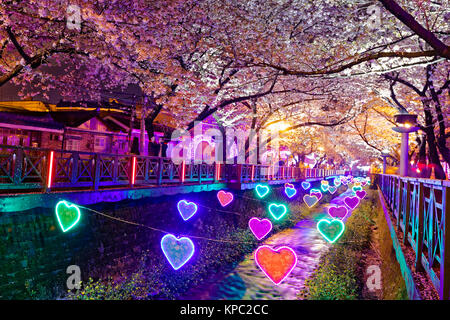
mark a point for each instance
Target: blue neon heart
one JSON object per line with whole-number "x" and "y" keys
{"x": 177, "y": 251}
{"x": 186, "y": 209}
{"x": 262, "y": 190}
{"x": 290, "y": 192}
{"x": 306, "y": 185}
{"x": 277, "y": 210}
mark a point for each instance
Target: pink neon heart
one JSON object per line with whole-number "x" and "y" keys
{"x": 361, "y": 194}
{"x": 351, "y": 202}
{"x": 318, "y": 195}
{"x": 363, "y": 182}
{"x": 225, "y": 198}
{"x": 338, "y": 212}
{"x": 260, "y": 228}
{"x": 289, "y": 185}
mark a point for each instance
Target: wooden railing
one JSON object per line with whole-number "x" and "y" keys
{"x": 421, "y": 209}
{"x": 36, "y": 168}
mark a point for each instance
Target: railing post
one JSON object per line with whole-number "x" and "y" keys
{"x": 96, "y": 171}
{"x": 18, "y": 166}
{"x": 239, "y": 172}
{"x": 159, "y": 172}
{"x": 49, "y": 171}
{"x": 407, "y": 211}
{"x": 444, "y": 288}
{"x": 182, "y": 171}
{"x": 399, "y": 201}
{"x": 146, "y": 169}
{"x": 420, "y": 226}
{"x": 199, "y": 172}
{"x": 74, "y": 166}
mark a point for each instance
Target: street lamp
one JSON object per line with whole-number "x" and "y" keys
{"x": 407, "y": 123}
{"x": 384, "y": 154}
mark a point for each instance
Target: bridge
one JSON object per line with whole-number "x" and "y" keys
{"x": 31, "y": 177}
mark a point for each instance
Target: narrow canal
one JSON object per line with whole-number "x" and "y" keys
{"x": 248, "y": 282}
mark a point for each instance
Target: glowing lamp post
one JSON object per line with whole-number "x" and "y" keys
{"x": 384, "y": 154}
{"x": 407, "y": 123}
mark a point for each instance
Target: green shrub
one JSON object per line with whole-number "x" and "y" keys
{"x": 337, "y": 276}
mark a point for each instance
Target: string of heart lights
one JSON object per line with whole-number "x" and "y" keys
{"x": 277, "y": 263}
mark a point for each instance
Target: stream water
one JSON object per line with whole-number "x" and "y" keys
{"x": 248, "y": 282}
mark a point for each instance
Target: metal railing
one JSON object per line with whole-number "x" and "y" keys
{"x": 421, "y": 209}
{"x": 37, "y": 168}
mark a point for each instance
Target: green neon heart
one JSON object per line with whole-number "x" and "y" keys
{"x": 331, "y": 230}
{"x": 277, "y": 210}
{"x": 260, "y": 192}
{"x": 356, "y": 188}
{"x": 67, "y": 214}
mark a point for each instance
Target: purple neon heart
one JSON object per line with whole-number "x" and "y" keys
{"x": 338, "y": 212}
{"x": 186, "y": 209}
{"x": 260, "y": 228}
{"x": 361, "y": 194}
{"x": 351, "y": 202}
{"x": 318, "y": 195}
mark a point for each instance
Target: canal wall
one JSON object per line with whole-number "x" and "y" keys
{"x": 36, "y": 253}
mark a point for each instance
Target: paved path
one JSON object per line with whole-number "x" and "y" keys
{"x": 247, "y": 281}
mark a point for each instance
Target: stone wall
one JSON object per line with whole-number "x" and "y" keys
{"x": 36, "y": 253}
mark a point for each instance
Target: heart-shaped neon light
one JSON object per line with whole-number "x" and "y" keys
{"x": 288, "y": 185}
{"x": 306, "y": 185}
{"x": 361, "y": 194}
{"x": 332, "y": 189}
{"x": 276, "y": 264}
{"x": 68, "y": 215}
{"x": 186, "y": 209}
{"x": 260, "y": 228}
{"x": 351, "y": 202}
{"x": 310, "y": 200}
{"x": 277, "y": 210}
{"x": 337, "y": 212}
{"x": 325, "y": 182}
{"x": 356, "y": 188}
{"x": 225, "y": 198}
{"x": 261, "y": 190}
{"x": 337, "y": 182}
{"x": 316, "y": 193}
{"x": 331, "y": 230}
{"x": 177, "y": 251}
{"x": 290, "y": 192}
{"x": 324, "y": 187}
